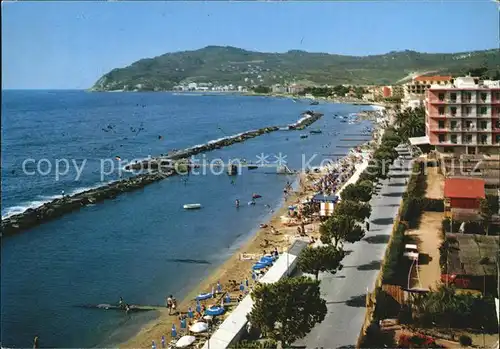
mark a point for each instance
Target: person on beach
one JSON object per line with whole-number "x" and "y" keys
{"x": 127, "y": 309}
{"x": 120, "y": 303}
{"x": 163, "y": 342}
{"x": 174, "y": 305}
{"x": 169, "y": 304}
{"x": 367, "y": 226}
{"x": 62, "y": 193}
{"x": 35, "y": 342}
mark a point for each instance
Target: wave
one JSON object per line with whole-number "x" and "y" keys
{"x": 43, "y": 199}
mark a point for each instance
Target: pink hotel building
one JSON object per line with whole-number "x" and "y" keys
{"x": 463, "y": 117}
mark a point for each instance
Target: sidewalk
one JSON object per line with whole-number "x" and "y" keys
{"x": 345, "y": 292}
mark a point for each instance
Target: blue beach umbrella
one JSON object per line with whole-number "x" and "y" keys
{"x": 198, "y": 307}
{"x": 174, "y": 331}
{"x": 242, "y": 287}
{"x": 190, "y": 313}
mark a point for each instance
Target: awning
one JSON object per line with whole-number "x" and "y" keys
{"x": 419, "y": 140}
{"x": 325, "y": 198}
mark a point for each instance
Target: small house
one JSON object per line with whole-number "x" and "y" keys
{"x": 463, "y": 194}
{"x": 326, "y": 203}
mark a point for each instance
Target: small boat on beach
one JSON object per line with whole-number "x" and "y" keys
{"x": 256, "y": 196}
{"x": 204, "y": 296}
{"x": 192, "y": 206}
{"x": 314, "y": 103}
{"x": 252, "y": 167}
{"x": 303, "y": 136}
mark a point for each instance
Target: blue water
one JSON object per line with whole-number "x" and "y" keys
{"x": 124, "y": 247}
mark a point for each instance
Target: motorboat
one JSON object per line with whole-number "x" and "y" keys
{"x": 192, "y": 206}
{"x": 303, "y": 136}
{"x": 315, "y": 132}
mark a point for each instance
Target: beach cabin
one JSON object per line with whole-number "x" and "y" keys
{"x": 326, "y": 203}
{"x": 463, "y": 195}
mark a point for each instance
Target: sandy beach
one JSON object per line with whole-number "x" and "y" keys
{"x": 264, "y": 240}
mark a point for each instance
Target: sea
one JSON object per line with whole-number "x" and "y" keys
{"x": 142, "y": 245}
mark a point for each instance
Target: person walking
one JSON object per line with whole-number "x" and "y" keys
{"x": 35, "y": 342}
{"x": 169, "y": 304}
{"x": 367, "y": 226}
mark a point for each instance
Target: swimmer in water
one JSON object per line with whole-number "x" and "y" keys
{"x": 237, "y": 202}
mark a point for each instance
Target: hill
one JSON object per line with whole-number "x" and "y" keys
{"x": 231, "y": 65}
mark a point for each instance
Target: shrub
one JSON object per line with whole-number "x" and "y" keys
{"x": 391, "y": 271}
{"x": 433, "y": 205}
{"x": 465, "y": 341}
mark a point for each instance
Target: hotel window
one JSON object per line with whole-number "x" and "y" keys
{"x": 454, "y": 139}
{"x": 468, "y": 110}
{"x": 467, "y": 97}
{"x": 453, "y": 111}
{"x": 468, "y": 124}
{"x": 441, "y": 138}
{"x": 468, "y": 138}
{"x": 497, "y": 138}
{"x": 483, "y": 110}
{"x": 441, "y": 124}
{"x": 497, "y": 95}
{"x": 497, "y": 124}
{"x": 483, "y": 96}
{"x": 453, "y": 125}
{"x": 483, "y": 125}
{"x": 453, "y": 97}
{"x": 441, "y": 110}
{"x": 441, "y": 97}
{"x": 483, "y": 139}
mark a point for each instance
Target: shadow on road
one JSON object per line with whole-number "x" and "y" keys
{"x": 393, "y": 195}
{"x": 383, "y": 221}
{"x": 373, "y": 265}
{"x": 347, "y": 347}
{"x": 397, "y": 185}
{"x": 377, "y": 239}
{"x": 355, "y": 301}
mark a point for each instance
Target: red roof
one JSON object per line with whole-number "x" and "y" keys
{"x": 468, "y": 188}
{"x": 433, "y": 78}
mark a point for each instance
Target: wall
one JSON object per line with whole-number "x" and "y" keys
{"x": 464, "y": 203}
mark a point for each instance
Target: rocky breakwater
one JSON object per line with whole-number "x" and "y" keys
{"x": 167, "y": 161}
{"x": 308, "y": 118}
{"x": 59, "y": 207}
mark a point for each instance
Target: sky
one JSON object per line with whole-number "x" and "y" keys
{"x": 69, "y": 45}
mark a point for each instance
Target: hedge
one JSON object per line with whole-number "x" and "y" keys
{"x": 433, "y": 205}
{"x": 391, "y": 271}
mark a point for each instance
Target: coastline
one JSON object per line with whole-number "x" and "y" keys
{"x": 236, "y": 269}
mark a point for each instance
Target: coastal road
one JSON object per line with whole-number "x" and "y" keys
{"x": 345, "y": 292}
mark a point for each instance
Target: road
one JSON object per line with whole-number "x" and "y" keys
{"x": 345, "y": 292}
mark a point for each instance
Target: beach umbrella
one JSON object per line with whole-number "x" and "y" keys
{"x": 228, "y": 298}
{"x": 219, "y": 286}
{"x": 199, "y": 327}
{"x": 190, "y": 313}
{"x": 198, "y": 306}
{"x": 185, "y": 341}
{"x": 208, "y": 317}
{"x": 174, "y": 331}
{"x": 242, "y": 287}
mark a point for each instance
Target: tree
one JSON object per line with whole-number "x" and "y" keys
{"x": 288, "y": 309}
{"x": 359, "y": 211}
{"x": 340, "y": 228}
{"x": 361, "y": 191}
{"x": 411, "y": 122}
{"x": 465, "y": 341}
{"x": 486, "y": 213}
{"x": 312, "y": 260}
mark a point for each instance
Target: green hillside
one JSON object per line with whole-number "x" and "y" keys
{"x": 231, "y": 65}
